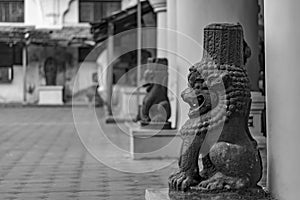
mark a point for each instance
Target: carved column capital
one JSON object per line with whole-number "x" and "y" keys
{"x": 159, "y": 5}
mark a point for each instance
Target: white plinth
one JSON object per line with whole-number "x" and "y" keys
{"x": 50, "y": 95}
{"x": 153, "y": 144}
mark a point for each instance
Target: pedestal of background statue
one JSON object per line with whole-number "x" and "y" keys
{"x": 50, "y": 95}
{"x": 153, "y": 144}
{"x": 163, "y": 194}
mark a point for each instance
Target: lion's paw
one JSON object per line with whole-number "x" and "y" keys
{"x": 182, "y": 181}
{"x": 222, "y": 182}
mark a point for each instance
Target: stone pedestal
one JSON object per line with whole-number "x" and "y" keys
{"x": 153, "y": 144}
{"x": 50, "y": 95}
{"x": 163, "y": 194}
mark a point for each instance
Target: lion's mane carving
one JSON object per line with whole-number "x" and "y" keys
{"x": 228, "y": 84}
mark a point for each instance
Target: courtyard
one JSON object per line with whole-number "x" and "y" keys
{"x": 42, "y": 157}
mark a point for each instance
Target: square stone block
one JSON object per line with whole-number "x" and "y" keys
{"x": 50, "y": 95}
{"x": 152, "y": 143}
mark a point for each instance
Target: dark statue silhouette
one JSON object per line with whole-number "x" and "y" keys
{"x": 156, "y": 109}
{"x": 50, "y": 69}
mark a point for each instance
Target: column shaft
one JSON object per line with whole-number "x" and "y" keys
{"x": 161, "y": 34}
{"x": 282, "y": 20}
{"x": 193, "y": 15}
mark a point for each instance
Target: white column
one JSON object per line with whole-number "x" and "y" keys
{"x": 171, "y": 55}
{"x": 193, "y": 15}
{"x": 160, "y": 7}
{"x": 110, "y": 54}
{"x": 282, "y": 30}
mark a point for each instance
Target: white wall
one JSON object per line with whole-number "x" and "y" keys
{"x": 282, "y": 30}
{"x": 194, "y": 15}
{"x": 13, "y": 92}
{"x": 71, "y": 16}
{"x": 51, "y": 13}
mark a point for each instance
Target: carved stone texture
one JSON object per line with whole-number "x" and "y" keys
{"x": 156, "y": 108}
{"x": 219, "y": 99}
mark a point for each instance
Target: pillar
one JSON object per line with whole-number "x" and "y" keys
{"x": 282, "y": 30}
{"x": 24, "y": 65}
{"x": 173, "y": 67}
{"x": 193, "y": 15}
{"x": 110, "y": 54}
{"x": 160, "y": 8}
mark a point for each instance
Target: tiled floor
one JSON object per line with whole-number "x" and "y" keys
{"x": 41, "y": 157}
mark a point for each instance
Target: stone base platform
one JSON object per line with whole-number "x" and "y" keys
{"x": 50, "y": 95}
{"x": 156, "y": 125}
{"x": 152, "y": 143}
{"x": 163, "y": 194}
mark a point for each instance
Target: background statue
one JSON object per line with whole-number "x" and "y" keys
{"x": 50, "y": 69}
{"x": 219, "y": 97}
{"x": 156, "y": 109}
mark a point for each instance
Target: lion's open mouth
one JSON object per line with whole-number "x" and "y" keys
{"x": 196, "y": 105}
{"x": 197, "y": 102}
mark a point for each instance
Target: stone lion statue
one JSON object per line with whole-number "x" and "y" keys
{"x": 219, "y": 97}
{"x": 156, "y": 107}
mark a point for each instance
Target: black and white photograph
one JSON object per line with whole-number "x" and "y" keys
{"x": 149, "y": 99}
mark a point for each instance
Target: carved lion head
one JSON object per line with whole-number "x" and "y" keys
{"x": 215, "y": 93}
{"x": 218, "y": 86}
